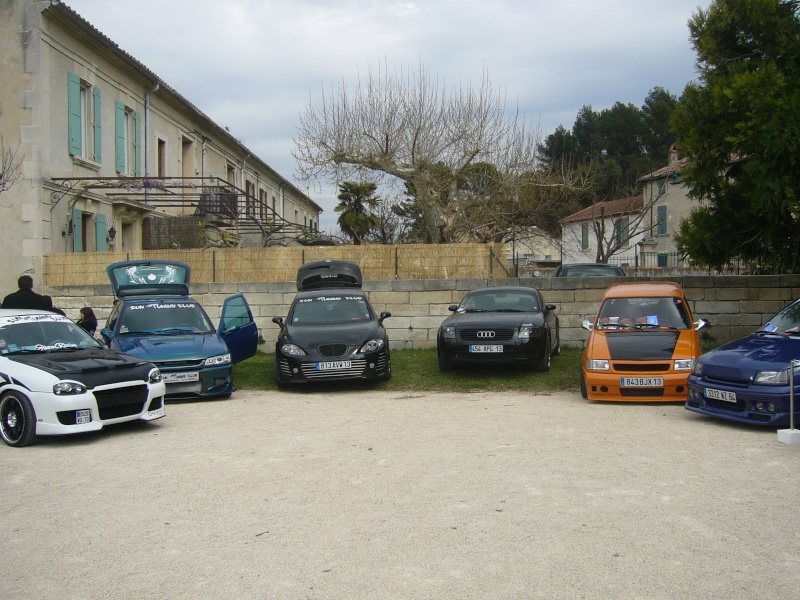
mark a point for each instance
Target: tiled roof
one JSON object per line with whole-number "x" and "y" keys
{"x": 670, "y": 169}
{"x": 610, "y": 208}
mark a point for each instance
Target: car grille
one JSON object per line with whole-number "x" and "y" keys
{"x": 640, "y": 367}
{"x": 500, "y": 335}
{"x": 355, "y": 370}
{"x": 332, "y": 350}
{"x": 119, "y": 402}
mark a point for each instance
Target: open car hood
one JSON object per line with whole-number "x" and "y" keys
{"x": 149, "y": 278}
{"x": 325, "y": 274}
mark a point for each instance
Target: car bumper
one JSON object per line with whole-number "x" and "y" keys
{"x": 766, "y": 406}
{"x": 607, "y": 386}
{"x": 291, "y": 369}
{"x": 188, "y": 383}
{"x": 512, "y": 353}
{"x": 107, "y": 405}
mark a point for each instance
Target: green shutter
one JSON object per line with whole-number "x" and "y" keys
{"x": 77, "y": 230}
{"x": 98, "y": 143}
{"x": 137, "y": 144}
{"x": 100, "y": 233}
{"x": 74, "y": 103}
{"x": 119, "y": 119}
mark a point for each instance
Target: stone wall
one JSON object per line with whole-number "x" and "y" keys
{"x": 734, "y": 305}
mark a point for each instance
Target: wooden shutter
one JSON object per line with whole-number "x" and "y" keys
{"x": 119, "y": 114}
{"x": 74, "y": 103}
{"x": 97, "y": 112}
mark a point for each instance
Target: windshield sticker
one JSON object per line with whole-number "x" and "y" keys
{"x": 167, "y": 274}
{"x": 33, "y": 319}
{"x": 769, "y": 327}
{"x": 58, "y": 346}
{"x": 160, "y": 306}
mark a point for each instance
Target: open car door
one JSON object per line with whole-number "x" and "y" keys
{"x": 238, "y": 329}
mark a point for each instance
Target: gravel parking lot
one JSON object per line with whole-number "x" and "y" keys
{"x": 359, "y": 494}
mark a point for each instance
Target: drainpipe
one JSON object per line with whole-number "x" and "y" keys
{"x": 147, "y": 136}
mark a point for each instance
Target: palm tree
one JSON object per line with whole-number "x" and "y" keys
{"x": 356, "y": 202}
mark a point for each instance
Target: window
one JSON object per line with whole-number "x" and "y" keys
{"x": 128, "y": 147}
{"x": 622, "y": 231}
{"x": 661, "y": 216}
{"x": 85, "y": 108}
{"x": 584, "y": 236}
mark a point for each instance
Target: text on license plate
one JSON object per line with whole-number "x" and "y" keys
{"x": 337, "y": 364}
{"x": 83, "y": 416}
{"x": 720, "y": 395}
{"x": 179, "y": 377}
{"x": 641, "y": 382}
{"x": 486, "y": 348}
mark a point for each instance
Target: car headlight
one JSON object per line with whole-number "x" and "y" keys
{"x": 449, "y": 332}
{"x": 684, "y": 364}
{"x": 594, "y": 364}
{"x": 292, "y": 350}
{"x": 372, "y": 346}
{"x": 525, "y": 332}
{"x": 698, "y": 368}
{"x": 154, "y": 376}
{"x": 772, "y": 377}
{"x": 69, "y": 388}
{"x": 220, "y": 359}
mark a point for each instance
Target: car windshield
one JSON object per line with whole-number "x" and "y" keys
{"x": 42, "y": 333}
{"x": 327, "y": 310}
{"x": 589, "y": 271}
{"x": 786, "y": 321}
{"x": 500, "y": 302}
{"x": 165, "y": 318}
{"x": 644, "y": 313}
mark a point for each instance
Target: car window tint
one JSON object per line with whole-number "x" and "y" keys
{"x": 330, "y": 309}
{"x": 787, "y": 319}
{"x": 654, "y": 311}
{"x": 502, "y": 302}
{"x": 157, "y": 316}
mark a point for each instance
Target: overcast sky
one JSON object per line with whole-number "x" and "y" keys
{"x": 254, "y": 65}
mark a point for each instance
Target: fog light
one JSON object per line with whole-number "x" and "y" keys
{"x": 371, "y": 365}
{"x": 759, "y": 406}
{"x": 295, "y": 370}
{"x": 771, "y": 407}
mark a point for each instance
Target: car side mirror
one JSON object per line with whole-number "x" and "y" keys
{"x": 278, "y": 321}
{"x": 549, "y": 306}
{"x": 701, "y": 323}
{"x": 384, "y": 315}
{"x": 587, "y": 325}
{"x": 452, "y": 307}
{"x": 105, "y": 333}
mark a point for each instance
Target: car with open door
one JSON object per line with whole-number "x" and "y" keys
{"x": 154, "y": 317}
{"x": 332, "y": 331}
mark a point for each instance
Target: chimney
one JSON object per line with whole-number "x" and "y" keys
{"x": 672, "y": 157}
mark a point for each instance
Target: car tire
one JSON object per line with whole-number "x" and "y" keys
{"x": 557, "y": 349}
{"x": 543, "y": 364}
{"x": 18, "y": 424}
{"x": 584, "y": 393}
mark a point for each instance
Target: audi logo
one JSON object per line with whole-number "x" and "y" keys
{"x": 485, "y": 334}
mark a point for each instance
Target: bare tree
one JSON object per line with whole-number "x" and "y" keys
{"x": 10, "y": 166}
{"x": 410, "y": 127}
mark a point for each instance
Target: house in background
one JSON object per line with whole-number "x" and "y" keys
{"x": 619, "y": 221}
{"x": 113, "y": 158}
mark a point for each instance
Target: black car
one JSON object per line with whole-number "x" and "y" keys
{"x": 588, "y": 270}
{"x": 499, "y": 325}
{"x": 332, "y": 331}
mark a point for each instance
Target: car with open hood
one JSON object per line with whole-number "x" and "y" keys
{"x": 332, "y": 331}
{"x": 154, "y": 318}
{"x": 750, "y": 380}
{"x": 642, "y": 344}
{"x": 56, "y": 379}
{"x": 494, "y": 325}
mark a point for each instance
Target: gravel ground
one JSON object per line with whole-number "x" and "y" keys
{"x": 359, "y": 494}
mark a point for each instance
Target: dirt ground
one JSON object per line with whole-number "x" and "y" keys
{"x": 359, "y": 494}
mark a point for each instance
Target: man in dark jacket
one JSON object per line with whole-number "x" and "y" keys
{"x": 25, "y": 297}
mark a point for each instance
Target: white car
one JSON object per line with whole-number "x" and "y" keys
{"x": 56, "y": 379}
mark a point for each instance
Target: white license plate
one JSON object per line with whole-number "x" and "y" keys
{"x": 83, "y": 416}
{"x": 337, "y": 364}
{"x": 641, "y": 382}
{"x": 485, "y": 348}
{"x": 720, "y": 395}
{"x": 180, "y": 377}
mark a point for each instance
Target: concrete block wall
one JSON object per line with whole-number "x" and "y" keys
{"x": 734, "y": 304}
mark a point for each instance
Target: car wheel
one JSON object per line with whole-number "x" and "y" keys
{"x": 543, "y": 364}
{"x": 18, "y": 424}
{"x": 584, "y": 393}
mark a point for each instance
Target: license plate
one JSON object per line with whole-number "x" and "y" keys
{"x": 641, "y": 382}
{"x": 180, "y": 377}
{"x": 720, "y": 395}
{"x": 492, "y": 348}
{"x": 83, "y": 416}
{"x": 337, "y": 364}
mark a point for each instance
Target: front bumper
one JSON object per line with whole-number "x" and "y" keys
{"x": 195, "y": 382}
{"x": 605, "y": 385}
{"x": 517, "y": 352}
{"x": 307, "y": 369}
{"x": 767, "y": 406}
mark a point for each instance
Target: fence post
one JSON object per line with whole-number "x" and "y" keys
{"x": 396, "y": 263}
{"x": 214, "y": 266}
{"x": 491, "y": 262}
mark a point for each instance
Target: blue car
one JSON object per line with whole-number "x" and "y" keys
{"x": 748, "y": 380}
{"x": 154, "y": 318}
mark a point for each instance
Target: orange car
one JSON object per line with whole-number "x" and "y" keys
{"x": 642, "y": 346}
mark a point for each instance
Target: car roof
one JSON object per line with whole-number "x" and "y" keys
{"x": 504, "y": 289}
{"x": 643, "y": 289}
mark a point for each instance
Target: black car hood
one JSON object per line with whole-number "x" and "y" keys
{"x": 311, "y": 336}
{"x": 495, "y": 319}
{"x": 641, "y": 345}
{"x": 90, "y": 366}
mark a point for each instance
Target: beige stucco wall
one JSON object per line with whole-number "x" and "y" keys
{"x": 735, "y": 305}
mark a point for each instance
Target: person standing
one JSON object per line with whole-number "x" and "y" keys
{"x": 25, "y": 297}
{"x": 88, "y": 320}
